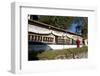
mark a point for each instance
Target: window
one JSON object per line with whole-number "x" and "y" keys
{"x": 30, "y": 37}
{"x": 60, "y": 40}
{"x": 35, "y": 38}
{"x": 38, "y": 38}
{"x": 44, "y": 38}
{"x": 51, "y": 39}
{"x": 73, "y": 42}
{"x": 68, "y": 41}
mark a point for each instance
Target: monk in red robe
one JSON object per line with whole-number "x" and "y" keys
{"x": 78, "y": 43}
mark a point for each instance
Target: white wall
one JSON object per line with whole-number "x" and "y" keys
{"x": 63, "y": 46}
{"x": 5, "y": 42}
{"x": 50, "y": 47}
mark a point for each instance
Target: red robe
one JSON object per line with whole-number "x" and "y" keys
{"x": 78, "y": 43}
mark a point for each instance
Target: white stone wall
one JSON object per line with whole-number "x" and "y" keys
{"x": 63, "y": 46}
{"x": 50, "y": 47}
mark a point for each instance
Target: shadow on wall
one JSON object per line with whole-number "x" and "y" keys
{"x": 35, "y": 48}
